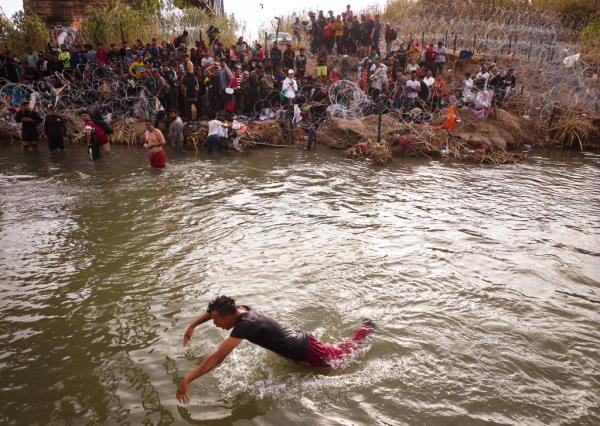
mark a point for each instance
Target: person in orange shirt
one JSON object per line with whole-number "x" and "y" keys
{"x": 328, "y": 33}
{"x": 438, "y": 92}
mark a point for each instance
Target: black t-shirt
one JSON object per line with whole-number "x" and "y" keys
{"x": 28, "y": 128}
{"x": 275, "y": 54}
{"x": 301, "y": 62}
{"x": 54, "y": 126}
{"x": 269, "y": 334}
{"x": 367, "y": 28}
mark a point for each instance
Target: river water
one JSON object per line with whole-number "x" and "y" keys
{"x": 484, "y": 283}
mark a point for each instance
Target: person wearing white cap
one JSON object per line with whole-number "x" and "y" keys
{"x": 289, "y": 86}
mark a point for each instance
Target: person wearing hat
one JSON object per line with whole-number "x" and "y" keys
{"x": 378, "y": 77}
{"x": 289, "y": 86}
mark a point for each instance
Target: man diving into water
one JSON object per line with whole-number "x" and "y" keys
{"x": 298, "y": 346}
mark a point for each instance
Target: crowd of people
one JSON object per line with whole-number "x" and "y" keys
{"x": 204, "y": 79}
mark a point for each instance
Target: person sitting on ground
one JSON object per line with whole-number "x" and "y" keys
{"x": 467, "y": 87}
{"x": 154, "y": 141}
{"x": 482, "y": 77}
{"x": 508, "y": 85}
{"x": 246, "y": 323}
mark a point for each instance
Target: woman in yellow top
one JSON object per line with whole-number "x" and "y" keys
{"x": 339, "y": 35}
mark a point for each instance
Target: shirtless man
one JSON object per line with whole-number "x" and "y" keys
{"x": 245, "y": 323}
{"x": 154, "y": 144}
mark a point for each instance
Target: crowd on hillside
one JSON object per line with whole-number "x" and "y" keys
{"x": 198, "y": 79}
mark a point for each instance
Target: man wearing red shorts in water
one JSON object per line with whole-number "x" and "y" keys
{"x": 154, "y": 143}
{"x": 246, "y": 323}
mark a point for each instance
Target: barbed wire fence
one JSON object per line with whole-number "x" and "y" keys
{"x": 534, "y": 43}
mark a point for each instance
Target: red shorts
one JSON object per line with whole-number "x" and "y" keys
{"x": 325, "y": 355}
{"x": 158, "y": 159}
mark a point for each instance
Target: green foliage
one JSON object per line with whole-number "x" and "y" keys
{"x": 195, "y": 20}
{"x": 590, "y": 36}
{"x": 115, "y": 22}
{"x": 24, "y": 32}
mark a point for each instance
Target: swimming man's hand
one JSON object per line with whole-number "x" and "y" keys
{"x": 188, "y": 335}
{"x": 182, "y": 392}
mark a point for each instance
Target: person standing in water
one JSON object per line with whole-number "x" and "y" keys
{"x": 29, "y": 120}
{"x": 54, "y": 129}
{"x": 154, "y": 144}
{"x": 245, "y": 323}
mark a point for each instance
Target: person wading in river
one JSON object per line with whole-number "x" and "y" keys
{"x": 245, "y": 323}
{"x": 154, "y": 144}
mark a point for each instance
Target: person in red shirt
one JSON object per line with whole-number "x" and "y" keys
{"x": 328, "y": 32}
{"x": 335, "y": 75}
{"x": 101, "y": 56}
{"x": 349, "y": 13}
{"x": 96, "y": 140}
{"x": 430, "y": 55}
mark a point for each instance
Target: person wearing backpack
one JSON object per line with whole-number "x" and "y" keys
{"x": 390, "y": 35}
{"x": 91, "y": 141}
{"x": 105, "y": 130}
{"x": 96, "y": 140}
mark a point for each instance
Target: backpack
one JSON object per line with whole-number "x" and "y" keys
{"x": 104, "y": 125}
{"x": 394, "y": 35}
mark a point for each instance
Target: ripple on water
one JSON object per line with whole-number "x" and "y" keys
{"x": 482, "y": 281}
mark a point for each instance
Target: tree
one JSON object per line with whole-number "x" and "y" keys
{"x": 24, "y": 32}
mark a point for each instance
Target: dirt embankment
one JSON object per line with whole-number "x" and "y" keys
{"x": 489, "y": 140}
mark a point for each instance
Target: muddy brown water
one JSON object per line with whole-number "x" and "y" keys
{"x": 484, "y": 282}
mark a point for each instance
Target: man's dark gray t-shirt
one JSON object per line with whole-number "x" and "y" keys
{"x": 269, "y": 334}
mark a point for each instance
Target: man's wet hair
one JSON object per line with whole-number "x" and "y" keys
{"x": 222, "y": 305}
